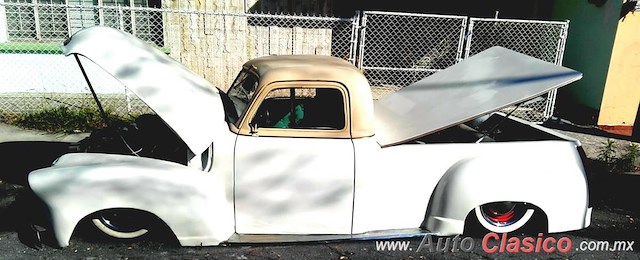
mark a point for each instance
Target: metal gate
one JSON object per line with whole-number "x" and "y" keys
{"x": 541, "y": 39}
{"x": 398, "y": 49}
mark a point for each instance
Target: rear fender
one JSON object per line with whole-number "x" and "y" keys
{"x": 555, "y": 183}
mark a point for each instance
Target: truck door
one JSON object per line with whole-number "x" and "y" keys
{"x": 295, "y": 173}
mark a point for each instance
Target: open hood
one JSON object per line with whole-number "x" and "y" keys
{"x": 486, "y": 82}
{"x": 189, "y": 104}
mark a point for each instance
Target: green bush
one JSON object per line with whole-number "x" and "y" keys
{"x": 609, "y": 161}
{"x": 629, "y": 160}
{"x": 67, "y": 120}
{"x": 607, "y": 156}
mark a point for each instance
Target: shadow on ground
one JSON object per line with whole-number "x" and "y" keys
{"x": 19, "y": 208}
{"x": 589, "y": 130}
{"x": 20, "y": 158}
{"x": 617, "y": 195}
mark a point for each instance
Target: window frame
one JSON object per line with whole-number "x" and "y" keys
{"x": 53, "y": 23}
{"x": 33, "y": 30}
{"x": 240, "y": 113}
{"x": 245, "y": 128}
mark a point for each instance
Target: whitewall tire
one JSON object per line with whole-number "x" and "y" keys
{"x": 116, "y": 223}
{"x": 503, "y": 217}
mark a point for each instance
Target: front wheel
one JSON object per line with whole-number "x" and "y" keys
{"x": 504, "y": 217}
{"x": 120, "y": 223}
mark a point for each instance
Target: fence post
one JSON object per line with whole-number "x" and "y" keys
{"x": 363, "y": 31}
{"x": 120, "y": 18}
{"x": 469, "y": 39}
{"x": 66, "y": 11}
{"x": 4, "y": 27}
{"x": 562, "y": 43}
{"x": 551, "y": 99}
{"x": 100, "y": 13}
{"x": 463, "y": 30}
{"x": 353, "y": 43}
{"x": 36, "y": 20}
{"x": 133, "y": 19}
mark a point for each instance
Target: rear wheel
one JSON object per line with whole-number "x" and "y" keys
{"x": 504, "y": 217}
{"x": 120, "y": 223}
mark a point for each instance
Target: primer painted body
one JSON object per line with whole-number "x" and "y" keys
{"x": 193, "y": 204}
{"x": 459, "y": 177}
{"x": 305, "y": 185}
{"x": 179, "y": 96}
{"x": 302, "y": 188}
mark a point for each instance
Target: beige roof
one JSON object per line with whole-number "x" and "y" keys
{"x": 322, "y": 68}
{"x": 302, "y": 67}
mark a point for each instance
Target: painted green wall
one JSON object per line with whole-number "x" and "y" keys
{"x": 592, "y": 32}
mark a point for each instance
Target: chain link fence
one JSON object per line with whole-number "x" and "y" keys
{"x": 35, "y": 76}
{"x": 397, "y": 49}
{"x": 541, "y": 39}
{"x": 393, "y": 49}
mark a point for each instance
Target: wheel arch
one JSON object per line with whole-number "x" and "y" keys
{"x": 155, "y": 223}
{"x": 472, "y": 182}
{"x": 538, "y": 222}
{"x": 189, "y": 229}
{"x": 192, "y": 204}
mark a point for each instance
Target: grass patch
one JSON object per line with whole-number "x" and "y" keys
{"x": 67, "y": 120}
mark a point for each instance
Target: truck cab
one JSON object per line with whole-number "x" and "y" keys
{"x": 318, "y": 96}
{"x": 295, "y": 118}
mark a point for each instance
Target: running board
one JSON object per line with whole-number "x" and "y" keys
{"x": 372, "y": 235}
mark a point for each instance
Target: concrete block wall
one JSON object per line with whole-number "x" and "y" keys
{"x": 216, "y": 46}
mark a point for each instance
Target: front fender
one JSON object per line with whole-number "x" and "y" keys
{"x": 555, "y": 183}
{"x": 192, "y": 203}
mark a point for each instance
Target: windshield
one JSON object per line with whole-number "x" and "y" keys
{"x": 242, "y": 90}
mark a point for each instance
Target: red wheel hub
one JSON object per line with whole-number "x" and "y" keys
{"x": 501, "y": 218}
{"x": 503, "y": 213}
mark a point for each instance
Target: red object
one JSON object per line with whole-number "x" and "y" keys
{"x": 625, "y": 130}
{"x": 502, "y": 218}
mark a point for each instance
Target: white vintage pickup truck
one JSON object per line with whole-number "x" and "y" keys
{"x": 297, "y": 150}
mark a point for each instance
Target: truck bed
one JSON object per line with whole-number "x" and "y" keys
{"x": 495, "y": 127}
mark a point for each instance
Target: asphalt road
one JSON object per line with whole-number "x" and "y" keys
{"x": 616, "y": 217}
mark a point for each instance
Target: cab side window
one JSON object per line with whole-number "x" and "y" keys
{"x": 302, "y": 108}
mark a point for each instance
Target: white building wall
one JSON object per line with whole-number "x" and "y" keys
{"x": 52, "y": 73}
